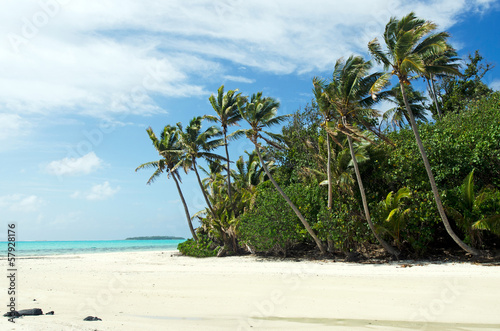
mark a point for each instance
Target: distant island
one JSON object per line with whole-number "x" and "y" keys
{"x": 155, "y": 238}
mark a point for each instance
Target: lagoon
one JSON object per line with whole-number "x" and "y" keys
{"x": 42, "y": 248}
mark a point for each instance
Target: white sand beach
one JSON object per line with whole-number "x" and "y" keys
{"x": 166, "y": 291}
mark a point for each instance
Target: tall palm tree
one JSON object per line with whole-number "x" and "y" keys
{"x": 260, "y": 113}
{"x": 197, "y": 144}
{"x": 326, "y": 110}
{"x": 226, "y": 107}
{"x": 409, "y": 41}
{"x": 349, "y": 94}
{"x": 167, "y": 147}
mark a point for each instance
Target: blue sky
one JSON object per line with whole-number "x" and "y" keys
{"x": 81, "y": 81}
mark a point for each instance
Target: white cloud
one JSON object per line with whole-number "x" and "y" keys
{"x": 239, "y": 79}
{"x": 12, "y": 125}
{"x": 115, "y": 56}
{"x": 21, "y": 202}
{"x": 75, "y": 166}
{"x": 495, "y": 85}
{"x": 97, "y": 192}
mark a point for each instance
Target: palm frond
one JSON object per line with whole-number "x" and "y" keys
{"x": 148, "y": 165}
{"x": 236, "y": 135}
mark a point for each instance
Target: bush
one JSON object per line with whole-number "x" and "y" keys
{"x": 202, "y": 248}
{"x": 455, "y": 145}
{"x": 272, "y": 227}
{"x": 344, "y": 225}
{"x": 420, "y": 224}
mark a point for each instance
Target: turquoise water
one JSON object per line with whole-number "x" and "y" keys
{"x": 38, "y": 248}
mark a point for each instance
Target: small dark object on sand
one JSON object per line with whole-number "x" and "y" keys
{"x": 24, "y": 312}
{"x": 13, "y": 313}
{"x": 92, "y": 318}
{"x": 31, "y": 312}
{"x": 50, "y": 313}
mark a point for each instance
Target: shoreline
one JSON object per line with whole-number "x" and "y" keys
{"x": 165, "y": 290}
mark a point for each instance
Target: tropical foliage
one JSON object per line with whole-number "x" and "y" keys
{"x": 330, "y": 180}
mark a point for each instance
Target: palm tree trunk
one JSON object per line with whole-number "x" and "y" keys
{"x": 433, "y": 95}
{"x": 427, "y": 165}
{"x": 386, "y": 246}
{"x": 228, "y": 171}
{"x": 435, "y": 98}
{"x": 195, "y": 237}
{"x": 290, "y": 203}
{"x": 329, "y": 172}
{"x": 203, "y": 190}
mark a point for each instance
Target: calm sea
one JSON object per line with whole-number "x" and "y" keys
{"x": 37, "y": 248}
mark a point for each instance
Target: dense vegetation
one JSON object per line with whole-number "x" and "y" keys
{"x": 341, "y": 177}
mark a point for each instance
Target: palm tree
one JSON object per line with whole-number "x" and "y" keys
{"x": 260, "y": 113}
{"x": 407, "y": 47}
{"x": 250, "y": 173}
{"x": 440, "y": 65}
{"x": 213, "y": 172}
{"x": 349, "y": 94}
{"x": 470, "y": 212}
{"x": 226, "y": 107}
{"x": 167, "y": 147}
{"x": 197, "y": 144}
{"x": 341, "y": 165}
{"x": 328, "y": 114}
{"x": 393, "y": 213}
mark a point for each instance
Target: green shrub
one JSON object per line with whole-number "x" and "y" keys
{"x": 421, "y": 222}
{"x": 202, "y": 248}
{"x": 474, "y": 211}
{"x": 455, "y": 145}
{"x": 343, "y": 225}
{"x": 272, "y": 227}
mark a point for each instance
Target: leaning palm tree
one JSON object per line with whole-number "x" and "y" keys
{"x": 195, "y": 145}
{"x": 409, "y": 41}
{"x": 167, "y": 147}
{"x": 349, "y": 95}
{"x": 260, "y": 113}
{"x": 226, "y": 107}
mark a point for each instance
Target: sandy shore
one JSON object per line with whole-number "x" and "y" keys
{"x": 165, "y": 291}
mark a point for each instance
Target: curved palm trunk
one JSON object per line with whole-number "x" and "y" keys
{"x": 203, "y": 189}
{"x": 290, "y": 203}
{"x": 329, "y": 172}
{"x": 386, "y": 246}
{"x": 195, "y": 237}
{"x": 437, "y": 198}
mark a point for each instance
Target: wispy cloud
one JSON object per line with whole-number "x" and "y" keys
{"x": 97, "y": 192}
{"x": 115, "y": 56}
{"x": 239, "y": 79}
{"x": 12, "y": 125}
{"x": 21, "y": 202}
{"x": 75, "y": 166}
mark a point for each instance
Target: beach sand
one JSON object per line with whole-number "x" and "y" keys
{"x": 166, "y": 291}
